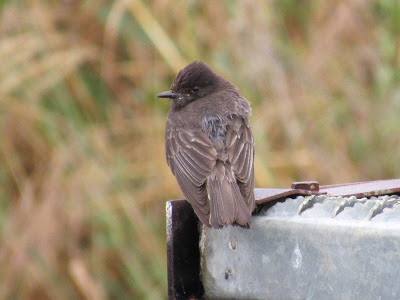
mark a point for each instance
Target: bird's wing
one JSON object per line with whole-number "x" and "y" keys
{"x": 191, "y": 157}
{"x": 240, "y": 149}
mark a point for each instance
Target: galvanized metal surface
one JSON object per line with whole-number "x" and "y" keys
{"x": 307, "y": 248}
{"x": 183, "y": 237}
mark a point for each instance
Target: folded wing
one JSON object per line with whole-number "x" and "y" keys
{"x": 191, "y": 157}
{"x": 240, "y": 150}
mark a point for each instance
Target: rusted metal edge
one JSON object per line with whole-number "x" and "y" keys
{"x": 364, "y": 189}
{"x": 266, "y": 195}
{"x": 357, "y": 189}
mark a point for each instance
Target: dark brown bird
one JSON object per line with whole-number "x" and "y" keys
{"x": 209, "y": 143}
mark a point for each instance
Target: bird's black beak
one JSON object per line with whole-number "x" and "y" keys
{"x": 168, "y": 94}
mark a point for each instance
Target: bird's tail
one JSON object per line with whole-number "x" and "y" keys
{"x": 227, "y": 203}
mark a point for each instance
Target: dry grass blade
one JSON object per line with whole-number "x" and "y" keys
{"x": 18, "y": 49}
{"x": 156, "y": 34}
{"x": 46, "y": 71}
{"x": 84, "y": 281}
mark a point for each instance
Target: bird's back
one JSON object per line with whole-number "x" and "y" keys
{"x": 227, "y": 148}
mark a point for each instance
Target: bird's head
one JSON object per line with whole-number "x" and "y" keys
{"x": 193, "y": 82}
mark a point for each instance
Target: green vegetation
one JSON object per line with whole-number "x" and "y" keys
{"x": 82, "y": 170}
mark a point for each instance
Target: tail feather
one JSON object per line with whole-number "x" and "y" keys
{"x": 227, "y": 203}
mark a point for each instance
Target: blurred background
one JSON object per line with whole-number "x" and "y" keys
{"x": 83, "y": 177}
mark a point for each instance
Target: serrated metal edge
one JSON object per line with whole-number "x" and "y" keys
{"x": 310, "y": 201}
{"x": 347, "y": 202}
{"x": 386, "y": 202}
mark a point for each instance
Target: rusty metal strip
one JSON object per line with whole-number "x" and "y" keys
{"x": 266, "y": 195}
{"x": 358, "y": 189}
{"x": 364, "y": 189}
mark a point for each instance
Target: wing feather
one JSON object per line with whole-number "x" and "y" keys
{"x": 240, "y": 150}
{"x": 191, "y": 157}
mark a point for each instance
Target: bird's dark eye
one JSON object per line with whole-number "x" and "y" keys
{"x": 195, "y": 89}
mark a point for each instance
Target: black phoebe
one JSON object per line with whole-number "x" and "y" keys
{"x": 208, "y": 142}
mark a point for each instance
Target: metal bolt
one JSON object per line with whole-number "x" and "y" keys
{"x": 306, "y": 185}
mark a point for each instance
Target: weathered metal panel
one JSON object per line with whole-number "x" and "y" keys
{"x": 183, "y": 238}
{"x": 292, "y": 253}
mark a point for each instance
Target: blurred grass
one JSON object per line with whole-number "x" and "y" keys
{"x": 82, "y": 169}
